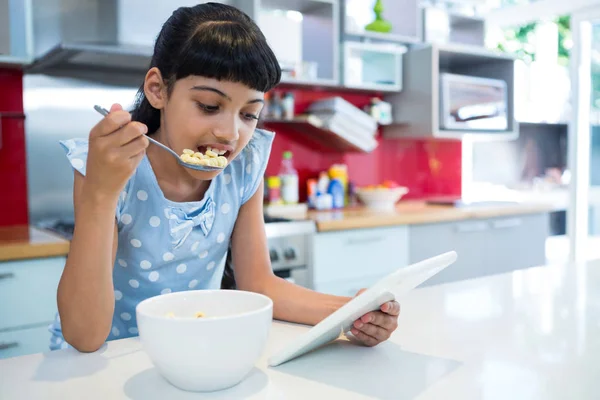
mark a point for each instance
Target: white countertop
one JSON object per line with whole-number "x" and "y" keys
{"x": 530, "y": 334}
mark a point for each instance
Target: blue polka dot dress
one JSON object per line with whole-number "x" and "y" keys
{"x": 166, "y": 246}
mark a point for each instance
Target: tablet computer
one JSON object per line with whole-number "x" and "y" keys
{"x": 389, "y": 288}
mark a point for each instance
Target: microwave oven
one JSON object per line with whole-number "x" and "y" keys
{"x": 469, "y": 103}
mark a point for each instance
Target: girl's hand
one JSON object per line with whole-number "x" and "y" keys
{"x": 116, "y": 147}
{"x": 377, "y": 326}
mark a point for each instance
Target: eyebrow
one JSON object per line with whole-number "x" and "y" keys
{"x": 217, "y": 91}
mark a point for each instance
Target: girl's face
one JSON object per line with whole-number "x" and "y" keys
{"x": 201, "y": 112}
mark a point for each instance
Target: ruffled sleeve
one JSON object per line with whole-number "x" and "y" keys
{"x": 255, "y": 158}
{"x": 77, "y": 153}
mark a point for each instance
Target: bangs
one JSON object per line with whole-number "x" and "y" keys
{"x": 227, "y": 51}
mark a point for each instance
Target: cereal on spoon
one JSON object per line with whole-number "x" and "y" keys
{"x": 211, "y": 157}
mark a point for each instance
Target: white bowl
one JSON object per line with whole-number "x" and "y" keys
{"x": 210, "y": 353}
{"x": 381, "y": 199}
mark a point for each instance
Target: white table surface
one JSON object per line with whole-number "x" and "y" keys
{"x": 532, "y": 334}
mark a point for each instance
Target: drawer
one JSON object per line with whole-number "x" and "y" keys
{"x": 354, "y": 254}
{"x": 28, "y": 291}
{"x": 24, "y": 341}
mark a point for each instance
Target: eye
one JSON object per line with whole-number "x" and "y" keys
{"x": 250, "y": 116}
{"x": 208, "y": 109}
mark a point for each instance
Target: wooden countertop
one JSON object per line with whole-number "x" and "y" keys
{"x": 23, "y": 242}
{"x": 418, "y": 212}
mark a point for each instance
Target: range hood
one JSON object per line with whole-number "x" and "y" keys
{"x": 101, "y": 57}
{"x": 108, "y": 36}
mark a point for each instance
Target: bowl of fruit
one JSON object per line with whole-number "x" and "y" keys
{"x": 381, "y": 197}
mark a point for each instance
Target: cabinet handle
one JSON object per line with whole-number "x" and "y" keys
{"x": 6, "y": 275}
{"x": 364, "y": 240}
{"x": 507, "y": 223}
{"x": 9, "y": 345}
{"x": 472, "y": 227}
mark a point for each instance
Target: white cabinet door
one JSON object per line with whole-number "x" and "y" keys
{"x": 28, "y": 291}
{"x": 346, "y": 260}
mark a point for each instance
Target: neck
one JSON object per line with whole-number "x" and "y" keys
{"x": 174, "y": 181}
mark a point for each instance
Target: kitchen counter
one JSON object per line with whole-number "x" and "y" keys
{"x": 529, "y": 334}
{"x": 25, "y": 242}
{"x": 418, "y": 212}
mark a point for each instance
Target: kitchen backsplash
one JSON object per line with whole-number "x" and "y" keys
{"x": 13, "y": 170}
{"x": 429, "y": 168}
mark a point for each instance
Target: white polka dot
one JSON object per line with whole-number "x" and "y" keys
{"x": 154, "y": 222}
{"x": 136, "y": 243}
{"x": 168, "y": 256}
{"x": 167, "y": 213}
{"x": 64, "y": 345}
{"x": 249, "y": 168}
{"x": 195, "y": 246}
{"x": 227, "y": 179}
{"x": 142, "y": 195}
{"x": 193, "y": 284}
{"x": 210, "y": 265}
{"x": 58, "y": 340}
{"x": 133, "y": 330}
{"x": 116, "y": 331}
{"x": 181, "y": 268}
{"x": 122, "y": 262}
{"x": 77, "y": 163}
{"x": 126, "y": 219}
{"x": 153, "y": 276}
{"x": 118, "y": 295}
{"x": 125, "y": 316}
{"x": 165, "y": 291}
{"x": 256, "y": 158}
{"x": 225, "y": 208}
{"x": 145, "y": 264}
{"x": 203, "y": 254}
{"x": 123, "y": 195}
{"x": 220, "y": 237}
{"x": 134, "y": 284}
{"x": 241, "y": 192}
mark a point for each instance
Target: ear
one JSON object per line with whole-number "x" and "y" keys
{"x": 155, "y": 88}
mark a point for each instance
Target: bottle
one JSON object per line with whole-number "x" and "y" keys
{"x": 289, "y": 179}
{"x": 288, "y": 106}
{"x": 336, "y": 190}
{"x": 340, "y": 172}
{"x": 276, "y": 106}
{"x": 274, "y": 187}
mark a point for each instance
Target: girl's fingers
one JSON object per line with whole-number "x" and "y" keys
{"x": 391, "y": 308}
{"x": 364, "y": 338}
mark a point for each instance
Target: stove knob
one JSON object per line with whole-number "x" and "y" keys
{"x": 289, "y": 254}
{"x": 273, "y": 255}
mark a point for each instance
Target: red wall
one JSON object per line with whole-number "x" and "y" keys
{"x": 13, "y": 173}
{"x": 429, "y": 168}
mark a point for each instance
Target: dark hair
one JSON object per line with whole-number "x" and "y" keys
{"x": 212, "y": 40}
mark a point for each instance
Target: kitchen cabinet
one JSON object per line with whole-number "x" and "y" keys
{"x": 484, "y": 246}
{"x": 27, "y": 304}
{"x": 346, "y": 261}
{"x": 15, "y": 33}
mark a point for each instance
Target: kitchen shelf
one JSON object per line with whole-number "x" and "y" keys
{"x": 311, "y": 128}
{"x": 463, "y": 29}
{"x": 404, "y": 16}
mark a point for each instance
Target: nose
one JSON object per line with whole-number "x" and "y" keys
{"x": 226, "y": 128}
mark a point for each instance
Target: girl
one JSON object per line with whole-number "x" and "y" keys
{"x": 145, "y": 225}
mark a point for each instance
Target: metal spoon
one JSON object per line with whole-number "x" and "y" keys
{"x": 206, "y": 168}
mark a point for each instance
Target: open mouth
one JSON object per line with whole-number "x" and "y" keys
{"x": 210, "y": 152}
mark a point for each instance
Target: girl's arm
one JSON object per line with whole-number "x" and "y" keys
{"x": 253, "y": 271}
{"x": 85, "y": 292}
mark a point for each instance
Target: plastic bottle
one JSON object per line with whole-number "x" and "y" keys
{"x": 274, "y": 187}
{"x": 336, "y": 190}
{"x": 289, "y": 179}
